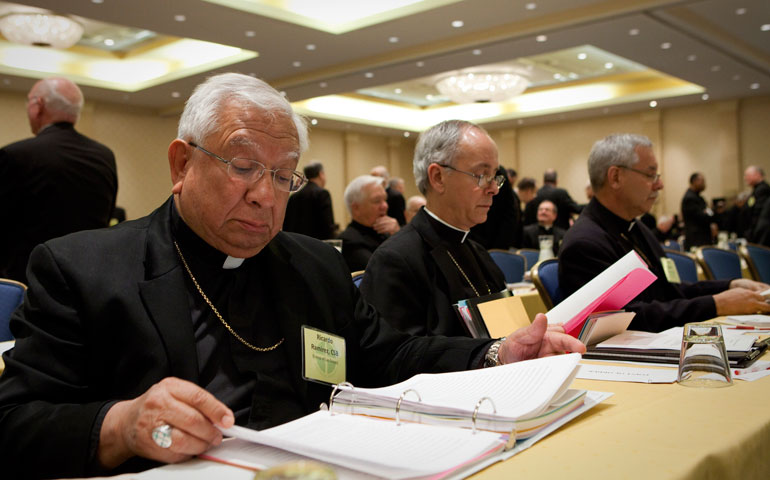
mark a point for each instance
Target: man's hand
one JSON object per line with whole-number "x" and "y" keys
{"x": 749, "y": 284}
{"x": 740, "y": 301}
{"x": 386, "y": 225}
{"x": 191, "y": 411}
{"x": 538, "y": 340}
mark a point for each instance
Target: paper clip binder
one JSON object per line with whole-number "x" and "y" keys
{"x": 334, "y": 391}
{"x": 401, "y": 398}
{"x": 511, "y": 436}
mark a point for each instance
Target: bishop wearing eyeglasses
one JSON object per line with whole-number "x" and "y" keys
{"x": 416, "y": 275}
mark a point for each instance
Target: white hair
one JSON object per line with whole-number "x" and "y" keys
{"x": 48, "y": 90}
{"x": 200, "y": 117}
{"x": 354, "y": 193}
{"x": 617, "y": 149}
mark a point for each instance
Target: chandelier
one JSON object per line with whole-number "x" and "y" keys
{"x": 41, "y": 29}
{"x": 471, "y": 86}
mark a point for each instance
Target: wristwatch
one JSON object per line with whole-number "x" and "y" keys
{"x": 492, "y": 358}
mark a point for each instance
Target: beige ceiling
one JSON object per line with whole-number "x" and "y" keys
{"x": 716, "y": 47}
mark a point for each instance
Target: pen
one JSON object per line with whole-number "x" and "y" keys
{"x": 747, "y": 327}
{"x": 750, "y": 370}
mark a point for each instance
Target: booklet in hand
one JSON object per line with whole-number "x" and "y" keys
{"x": 610, "y": 290}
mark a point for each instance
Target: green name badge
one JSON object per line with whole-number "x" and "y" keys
{"x": 669, "y": 268}
{"x": 324, "y": 356}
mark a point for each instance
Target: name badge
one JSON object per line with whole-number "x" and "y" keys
{"x": 669, "y": 268}
{"x": 323, "y": 356}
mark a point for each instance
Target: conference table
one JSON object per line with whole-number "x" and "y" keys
{"x": 644, "y": 431}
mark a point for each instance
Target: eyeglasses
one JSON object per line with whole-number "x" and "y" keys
{"x": 654, "y": 177}
{"x": 483, "y": 181}
{"x": 250, "y": 171}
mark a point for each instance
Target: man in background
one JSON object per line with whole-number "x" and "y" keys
{"x": 365, "y": 199}
{"x": 699, "y": 226}
{"x": 55, "y": 183}
{"x": 502, "y": 228}
{"x": 624, "y": 174}
{"x": 413, "y": 205}
{"x": 526, "y": 189}
{"x": 546, "y": 216}
{"x": 565, "y": 205}
{"x": 309, "y": 211}
{"x": 394, "y": 188}
{"x": 754, "y": 177}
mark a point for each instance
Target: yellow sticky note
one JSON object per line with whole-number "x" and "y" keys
{"x": 669, "y": 268}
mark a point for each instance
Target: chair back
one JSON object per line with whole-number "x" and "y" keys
{"x": 11, "y": 296}
{"x": 672, "y": 245}
{"x": 686, "y": 265}
{"x": 357, "y": 277}
{"x": 532, "y": 255}
{"x": 545, "y": 276}
{"x": 512, "y": 264}
{"x": 719, "y": 264}
{"x": 758, "y": 258}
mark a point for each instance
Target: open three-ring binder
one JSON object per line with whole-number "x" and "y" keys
{"x": 445, "y": 425}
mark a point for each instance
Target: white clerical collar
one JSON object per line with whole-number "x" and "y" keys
{"x": 232, "y": 262}
{"x": 466, "y": 232}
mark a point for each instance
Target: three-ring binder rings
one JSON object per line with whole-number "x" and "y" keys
{"x": 405, "y": 430}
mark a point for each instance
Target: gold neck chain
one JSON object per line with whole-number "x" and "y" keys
{"x": 216, "y": 312}
{"x": 462, "y": 272}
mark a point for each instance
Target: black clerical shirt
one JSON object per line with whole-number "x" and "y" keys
{"x": 254, "y": 384}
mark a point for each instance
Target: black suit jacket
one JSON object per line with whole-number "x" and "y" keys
{"x": 396, "y": 205}
{"x": 759, "y": 195}
{"x": 309, "y": 212}
{"x": 107, "y": 315}
{"x": 412, "y": 280}
{"x": 532, "y": 233}
{"x": 358, "y": 244}
{"x": 53, "y": 184}
{"x": 565, "y": 205}
{"x": 697, "y": 223}
{"x": 599, "y": 238}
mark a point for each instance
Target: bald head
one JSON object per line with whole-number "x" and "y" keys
{"x": 53, "y": 100}
{"x": 753, "y": 175}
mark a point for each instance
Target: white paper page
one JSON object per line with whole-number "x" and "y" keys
{"x": 256, "y": 456}
{"x": 517, "y": 389}
{"x": 379, "y": 447}
{"x": 760, "y": 369}
{"x": 753, "y": 320}
{"x": 671, "y": 339}
{"x": 616, "y": 373}
{"x": 5, "y": 346}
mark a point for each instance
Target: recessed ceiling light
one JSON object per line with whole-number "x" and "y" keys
{"x": 109, "y": 42}
{"x": 369, "y": 75}
{"x": 558, "y": 76}
{"x": 97, "y": 1}
{"x": 250, "y": 33}
{"x": 691, "y": 58}
{"x": 582, "y": 56}
{"x": 705, "y": 96}
{"x": 429, "y": 97}
{"x": 653, "y": 104}
{"x": 573, "y": 75}
{"x": 716, "y": 68}
{"x": 633, "y": 32}
{"x": 736, "y": 77}
{"x": 541, "y": 38}
{"x": 398, "y": 90}
{"x": 530, "y": 6}
{"x": 407, "y": 134}
{"x": 457, "y": 23}
{"x": 180, "y": 18}
{"x": 296, "y": 63}
{"x": 754, "y": 86}
{"x": 323, "y": 84}
{"x": 476, "y": 52}
{"x": 252, "y": 74}
{"x": 393, "y": 39}
{"x": 765, "y": 27}
{"x": 740, "y": 11}
{"x": 175, "y": 94}
{"x": 420, "y": 64}
{"x": 665, "y": 45}
{"x": 609, "y": 65}
{"x": 520, "y": 121}
{"x": 314, "y": 122}
{"x": 310, "y": 46}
